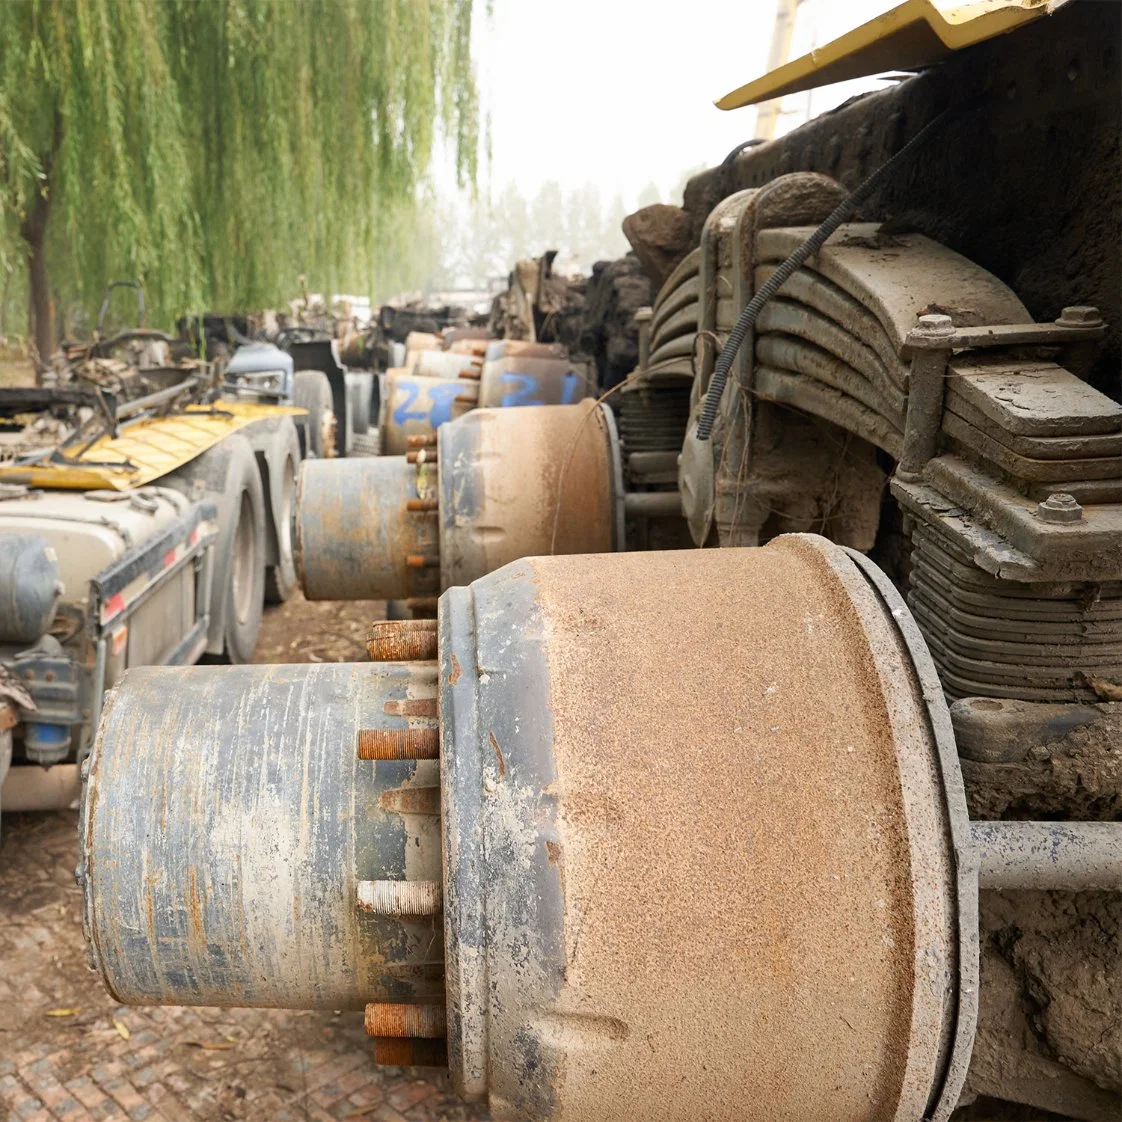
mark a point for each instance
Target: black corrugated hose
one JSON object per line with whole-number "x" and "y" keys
{"x": 772, "y": 285}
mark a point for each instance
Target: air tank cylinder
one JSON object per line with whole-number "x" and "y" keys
{"x": 29, "y": 587}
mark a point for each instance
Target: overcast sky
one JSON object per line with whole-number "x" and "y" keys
{"x": 621, "y": 93}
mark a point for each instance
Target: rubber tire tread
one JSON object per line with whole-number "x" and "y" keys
{"x": 312, "y": 391}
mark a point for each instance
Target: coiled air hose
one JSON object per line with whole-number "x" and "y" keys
{"x": 775, "y": 282}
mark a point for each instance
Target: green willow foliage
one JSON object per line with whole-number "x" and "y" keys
{"x": 219, "y": 148}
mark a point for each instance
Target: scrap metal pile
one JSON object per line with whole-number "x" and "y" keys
{"x": 820, "y": 820}
{"x": 90, "y": 390}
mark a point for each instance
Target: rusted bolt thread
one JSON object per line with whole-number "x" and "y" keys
{"x": 396, "y": 1052}
{"x": 400, "y": 898}
{"x": 421, "y": 456}
{"x": 425, "y": 1022}
{"x": 465, "y": 399}
{"x": 422, "y": 561}
{"x": 422, "y": 505}
{"x": 412, "y": 646}
{"x": 382, "y": 628}
{"x": 472, "y": 375}
{"x": 398, "y": 744}
{"x": 421, "y": 440}
{"x": 402, "y": 640}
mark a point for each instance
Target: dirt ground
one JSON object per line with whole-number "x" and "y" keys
{"x": 69, "y": 1052}
{"x": 317, "y": 630}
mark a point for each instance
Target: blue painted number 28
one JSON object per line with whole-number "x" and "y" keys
{"x": 441, "y": 398}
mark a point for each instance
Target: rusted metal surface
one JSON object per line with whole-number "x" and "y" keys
{"x": 397, "y": 744}
{"x": 425, "y": 1022}
{"x": 522, "y": 483}
{"x": 416, "y": 342}
{"x": 227, "y": 823}
{"x": 961, "y": 885}
{"x": 354, "y": 529}
{"x": 575, "y": 829}
{"x": 402, "y": 640}
{"x": 1004, "y": 636}
{"x": 931, "y": 343}
{"x": 403, "y": 1052}
{"x": 415, "y": 406}
{"x": 523, "y": 380}
{"x": 561, "y": 835}
{"x": 511, "y": 484}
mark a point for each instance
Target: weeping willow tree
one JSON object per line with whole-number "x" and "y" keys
{"x": 218, "y": 148}
{"x": 94, "y": 170}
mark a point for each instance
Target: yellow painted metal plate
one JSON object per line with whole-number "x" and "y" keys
{"x": 147, "y": 450}
{"x": 911, "y": 35}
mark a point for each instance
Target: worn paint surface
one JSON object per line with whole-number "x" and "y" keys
{"x": 415, "y": 406}
{"x": 354, "y": 532}
{"x": 228, "y": 822}
{"x": 517, "y": 380}
{"x": 523, "y": 483}
{"x": 148, "y": 449}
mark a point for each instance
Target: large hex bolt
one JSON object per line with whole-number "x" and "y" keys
{"x": 1059, "y": 507}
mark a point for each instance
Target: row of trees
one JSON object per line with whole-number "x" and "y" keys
{"x": 481, "y": 238}
{"x": 215, "y": 149}
{"x": 469, "y": 241}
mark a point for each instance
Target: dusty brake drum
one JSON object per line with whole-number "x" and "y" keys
{"x": 706, "y": 852}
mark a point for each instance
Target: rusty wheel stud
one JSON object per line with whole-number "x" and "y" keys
{"x": 402, "y": 640}
{"x": 387, "y": 1018}
{"x": 399, "y": 1051}
{"x": 398, "y": 744}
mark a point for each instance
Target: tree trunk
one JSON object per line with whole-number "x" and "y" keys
{"x": 39, "y": 289}
{"x": 33, "y": 230}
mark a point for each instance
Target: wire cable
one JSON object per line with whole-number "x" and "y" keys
{"x": 747, "y": 319}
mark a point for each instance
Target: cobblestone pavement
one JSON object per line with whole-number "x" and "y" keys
{"x": 68, "y": 1051}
